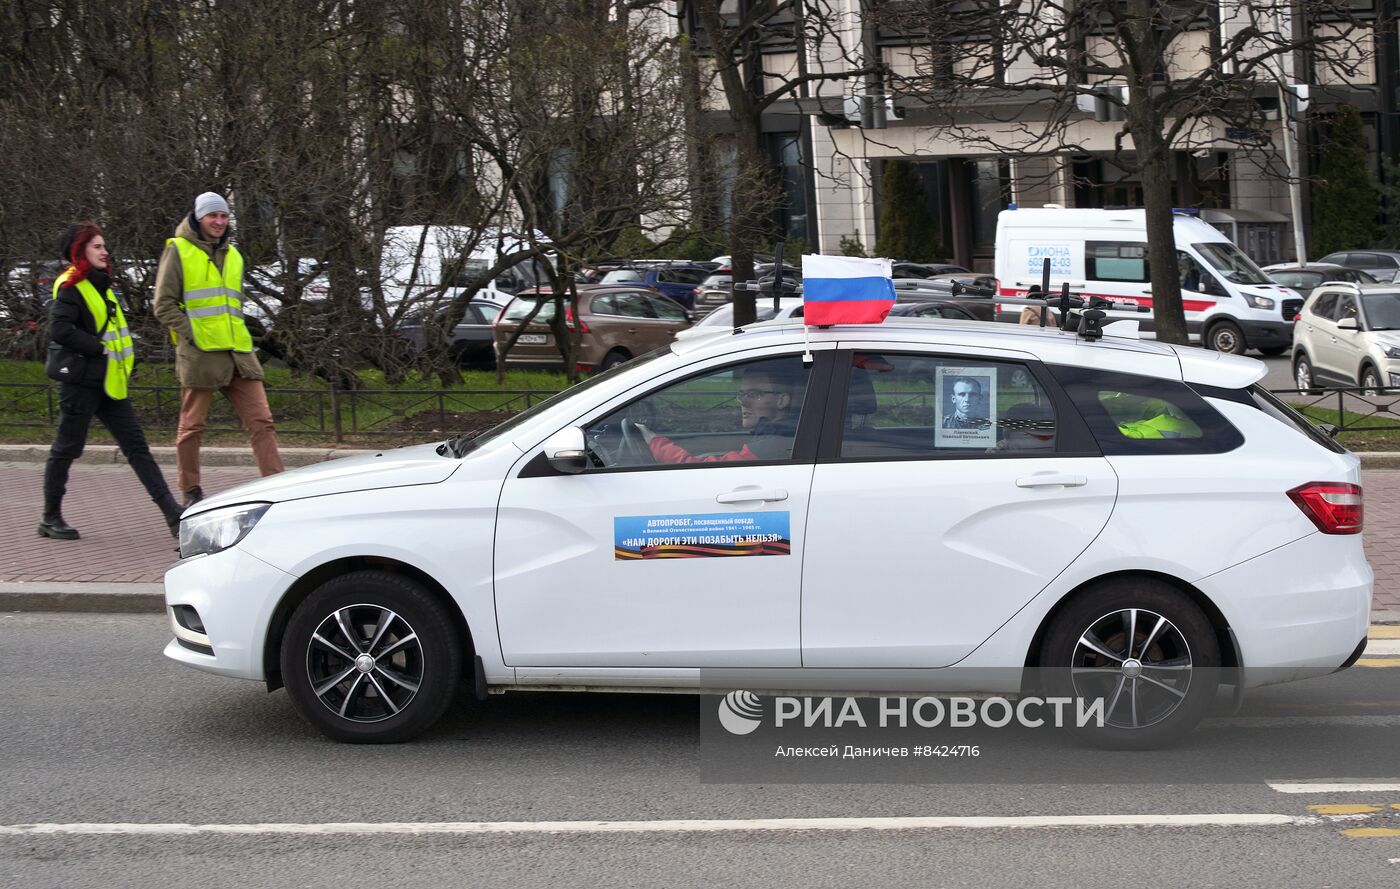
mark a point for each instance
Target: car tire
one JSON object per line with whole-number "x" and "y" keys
{"x": 1272, "y": 351}
{"x": 347, "y": 628}
{"x": 1154, "y": 692}
{"x": 1370, "y": 381}
{"x": 1226, "y": 336}
{"x": 614, "y": 358}
{"x": 1303, "y": 374}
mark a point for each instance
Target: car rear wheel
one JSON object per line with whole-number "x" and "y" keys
{"x": 1303, "y": 373}
{"x": 371, "y": 657}
{"x": 1226, "y": 336}
{"x": 614, "y": 358}
{"x": 1145, "y": 651}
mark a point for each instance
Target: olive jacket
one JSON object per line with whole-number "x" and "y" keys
{"x": 196, "y": 368}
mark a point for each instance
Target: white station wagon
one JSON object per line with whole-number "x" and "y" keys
{"x": 918, "y": 505}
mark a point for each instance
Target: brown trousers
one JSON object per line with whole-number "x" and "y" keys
{"x": 249, "y": 401}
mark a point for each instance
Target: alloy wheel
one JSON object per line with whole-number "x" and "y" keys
{"x": 1138, "y": 661}
{"x": 365, "y": 663}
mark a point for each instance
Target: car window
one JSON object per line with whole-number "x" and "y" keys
{"x": 1357, "y": 260}
{"x": 666, "y": 309}
{"x": 487, "y": 312}
{"x": 631, "y": 304}
{"x": 1357, "y": 276}
{"x": 1130, "y": 414}
{"x": 1346, "y": 307}
{"x": 901, "y": 406}
{"x": 1324, "y": 305}
{"x": 604, "y": 304}
{"x": 738, "y": 413}
{"x": 1113, "y": 261}
{"x": 1304, "y": 281}
{"x": 623, "y": 276}
{"x": 520, "y": 307}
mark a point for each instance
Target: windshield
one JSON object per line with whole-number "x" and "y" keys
{"x": 530, "y": 413}
{"x": 1231, "y": 263}
{"x": 1382, "y": 310}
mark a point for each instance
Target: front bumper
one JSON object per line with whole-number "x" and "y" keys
{"x": 234, "y": 594}
{"x": 1263, "y": 334}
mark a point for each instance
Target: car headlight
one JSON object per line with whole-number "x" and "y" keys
{"x": 1392, "y": 351}
{"x": 218, "y": 529}
{"x": 1259, "y": 302}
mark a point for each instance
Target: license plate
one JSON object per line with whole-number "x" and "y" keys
{"x": 532, "y": 339}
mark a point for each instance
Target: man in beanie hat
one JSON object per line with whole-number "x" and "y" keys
{"x": 199, "y": 296}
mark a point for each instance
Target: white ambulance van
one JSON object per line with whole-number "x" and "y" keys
{"x": 1230, "y": 304}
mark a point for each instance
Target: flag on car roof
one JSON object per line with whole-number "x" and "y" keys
{"x": 846, "y": 290}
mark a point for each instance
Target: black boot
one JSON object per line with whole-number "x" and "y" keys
{"x": 55, "y": 486}
{"x": 193, "y": 496}
{"x": 171, "y": 510}
{"x": 53, "y": 525}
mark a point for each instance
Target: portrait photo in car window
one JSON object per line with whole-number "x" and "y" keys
{"x": 967, "y": 406}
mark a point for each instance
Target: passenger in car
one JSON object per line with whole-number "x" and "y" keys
{"x": 767, "y": 410}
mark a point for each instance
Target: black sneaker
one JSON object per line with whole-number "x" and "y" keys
{"x": 193, "y": 496}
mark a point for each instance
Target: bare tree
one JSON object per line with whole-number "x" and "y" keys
{"x": 1017, "y": 77}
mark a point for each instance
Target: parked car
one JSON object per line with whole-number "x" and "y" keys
{"x": 420, "y": 263}
{"x": 714, "y": 290}
{"x": 1304, "y": 278}
{"x": 1379, "y": 264}
{"x": 976, "y": 301}
{"x": 1135, "y": 509}
{"x": 926, "y": 269}
{"x": 617, "y": 322}
{"x": 676, "y": 281}
{"x": 471, "y": 343}
{"x": 721, "y": 320}
{"x": 1349, "y": 335}
{"x": 938, "y": 308}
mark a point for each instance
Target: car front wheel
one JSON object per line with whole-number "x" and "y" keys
{"x": 371, "y": 657}
{"x": 1144, "y": 651}
{"x": 1370, "y": 381}
{"x": 1303, "y": 373}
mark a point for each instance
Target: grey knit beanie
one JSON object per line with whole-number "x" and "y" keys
{"x": 209, "y": 202}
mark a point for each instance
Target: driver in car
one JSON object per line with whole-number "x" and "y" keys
{"x": 767, "y": 411}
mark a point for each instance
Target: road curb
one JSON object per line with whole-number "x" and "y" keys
{"x": 92, "y": 598}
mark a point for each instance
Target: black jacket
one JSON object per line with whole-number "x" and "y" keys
{"x": 72, "y": 326}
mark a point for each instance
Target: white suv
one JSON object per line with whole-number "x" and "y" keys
{"x": 928, "y": 505}
{"x": 1348, "y": 335}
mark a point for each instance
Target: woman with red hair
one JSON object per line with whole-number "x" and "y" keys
{"x": 91, "y": 358}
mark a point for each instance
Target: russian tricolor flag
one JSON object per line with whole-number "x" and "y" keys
{"x": 846, "y": 290}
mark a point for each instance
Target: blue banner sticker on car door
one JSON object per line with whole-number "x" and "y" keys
{"x": 701, "y": 536}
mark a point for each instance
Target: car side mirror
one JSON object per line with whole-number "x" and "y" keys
{"x": 567, "y": 451}
{"x": 1347, "y": 324}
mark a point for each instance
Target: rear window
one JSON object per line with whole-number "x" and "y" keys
{"x": 1135, "y": 415}
{"x": 1280, "y": 410}
{"x": 519, "y": 308}
{"x": 623, "y": 276}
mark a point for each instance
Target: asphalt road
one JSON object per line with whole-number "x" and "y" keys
{"x": 100, "y": 729}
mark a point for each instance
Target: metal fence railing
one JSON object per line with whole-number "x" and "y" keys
{"x": 325, "y": 413}
{"x": 1349, "y": 409}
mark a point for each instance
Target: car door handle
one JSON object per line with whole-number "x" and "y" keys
{"x": 1051, "y": 480}
{"x": 744, "y": 495}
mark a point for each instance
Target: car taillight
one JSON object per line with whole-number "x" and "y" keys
{"x": 1335, "y": 507}
{"x": 569, "y": 320}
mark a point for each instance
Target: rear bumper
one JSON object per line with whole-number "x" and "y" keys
{"x": 1296, "y": 611}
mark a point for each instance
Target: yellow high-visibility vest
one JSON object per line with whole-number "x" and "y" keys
{"x": 116, "y": 338}
{"x": 212, "y": 301}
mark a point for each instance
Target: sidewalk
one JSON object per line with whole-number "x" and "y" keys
{"x": 120, "y": 561}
